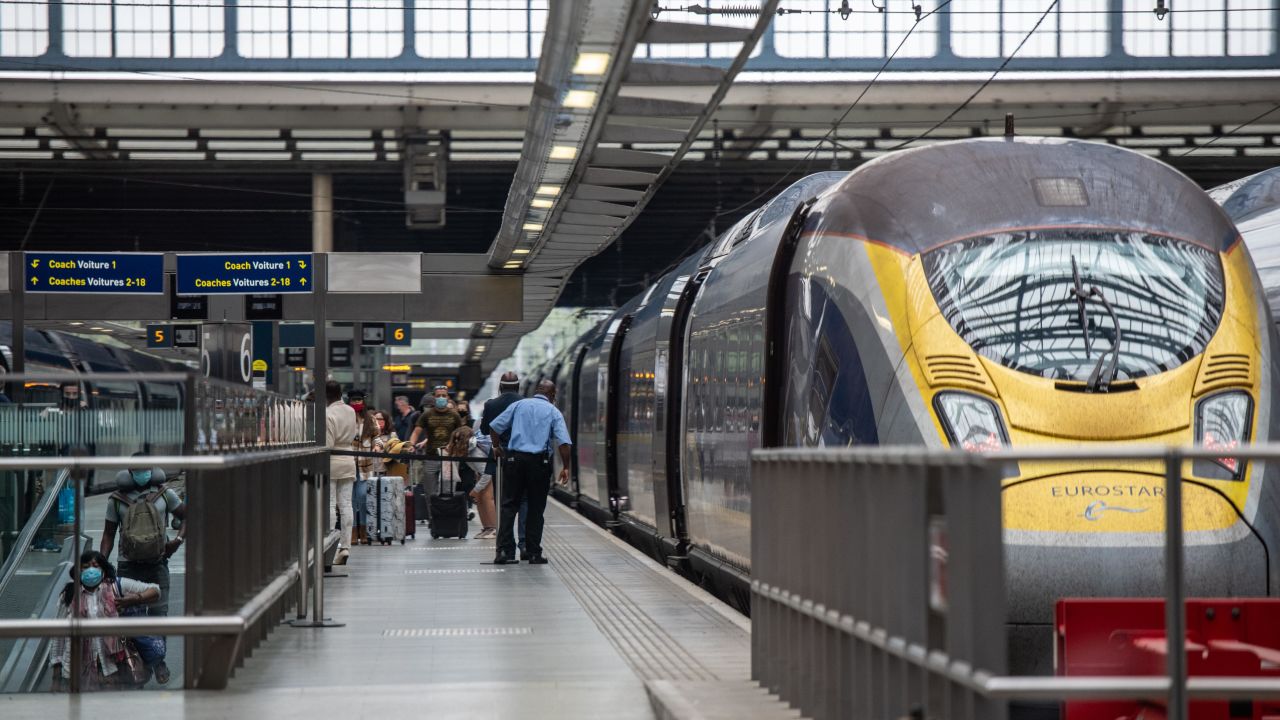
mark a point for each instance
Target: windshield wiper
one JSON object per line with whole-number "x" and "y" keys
{"x": 1098, "y": 380}
{"x": 1082, "y": 304}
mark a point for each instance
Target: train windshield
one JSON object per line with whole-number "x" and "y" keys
{"x": 1053, "y": 302}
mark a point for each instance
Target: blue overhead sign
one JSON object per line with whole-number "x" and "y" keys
{"x": 135, "y": 273}
{"x": 244, "y": 273}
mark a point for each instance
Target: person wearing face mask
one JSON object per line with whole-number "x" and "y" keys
{"x": 138, "y": 511}
{"x": 355, "y": 398}
{"x": 432, "y": 433}
{"x": 102, "y": 595}
{"x": 464, "y": 411}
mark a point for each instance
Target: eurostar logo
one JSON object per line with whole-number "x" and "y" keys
{"x": 1096, "y": 508}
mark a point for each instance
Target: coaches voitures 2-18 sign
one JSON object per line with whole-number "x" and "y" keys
{"x": 131, "y": 273}
{"x": 244, "y": 273}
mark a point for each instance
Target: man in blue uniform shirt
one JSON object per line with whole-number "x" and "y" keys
{"x": 535, "y": 423}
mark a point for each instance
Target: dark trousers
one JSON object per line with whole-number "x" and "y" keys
{"x": 153, "y": 572}
{"x": 526, "y": 478}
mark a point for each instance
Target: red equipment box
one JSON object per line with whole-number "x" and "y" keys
{"x": 1228, "y": 637}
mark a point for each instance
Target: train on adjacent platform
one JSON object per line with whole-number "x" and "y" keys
{"x": 975, "y": 294}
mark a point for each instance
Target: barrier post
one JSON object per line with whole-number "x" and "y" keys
{"x": 318, "y": 620}
{"x": 304, "y": 539}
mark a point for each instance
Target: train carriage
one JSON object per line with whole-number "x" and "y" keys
{"x": 975, "y": 294}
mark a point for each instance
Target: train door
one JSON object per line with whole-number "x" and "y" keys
{"x": 575, "y": 411}
{"x": 674, "y": 373}
{"x": 616, "y": 490}
{"x": 775, "y": 362}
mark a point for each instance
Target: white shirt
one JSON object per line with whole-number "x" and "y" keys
{"x": 340, "y": 429}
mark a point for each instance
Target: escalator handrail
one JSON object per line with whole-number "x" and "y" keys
{"x": 23, "y": 544}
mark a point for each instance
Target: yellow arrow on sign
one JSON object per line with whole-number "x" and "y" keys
{"x": 35, "y": 263}
{"x": 35, "y": 281}
{"x": 302, "y": 264}
{"x": 303, "y": 281}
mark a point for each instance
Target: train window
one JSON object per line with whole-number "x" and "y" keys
{"x": 781, "y": 207}
{"x": 1016, "y": 298}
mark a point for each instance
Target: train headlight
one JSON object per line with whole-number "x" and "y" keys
{"x": 1222, "y": 423}
{"x": 971, "y": 422}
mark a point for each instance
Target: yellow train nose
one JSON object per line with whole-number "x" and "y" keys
{"x": 1120, "y": 501}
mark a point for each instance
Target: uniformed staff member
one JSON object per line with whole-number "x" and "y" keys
{"x": 534, "y": 424}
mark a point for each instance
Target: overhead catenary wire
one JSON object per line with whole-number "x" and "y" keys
{"x": 985, "y": 84}
{"x": 835, "y": 124}
{"x": 1234, "y": 130}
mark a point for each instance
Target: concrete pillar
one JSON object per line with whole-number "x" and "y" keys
{"x": 321, "y": 213}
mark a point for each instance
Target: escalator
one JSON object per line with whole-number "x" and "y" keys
{"x": 34, "y": 572}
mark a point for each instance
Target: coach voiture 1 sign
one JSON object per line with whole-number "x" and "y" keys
{"x": 244, "y": 273}
{"x": 132, "y": 273}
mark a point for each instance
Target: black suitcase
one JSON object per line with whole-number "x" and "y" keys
{"x": 421, "y": 509}
{"x": 448, "y": 515}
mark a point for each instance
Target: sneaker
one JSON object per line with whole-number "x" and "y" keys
{"x": 503, "y": 560}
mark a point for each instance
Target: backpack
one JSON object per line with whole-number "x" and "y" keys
{"x": 142, "y": 533}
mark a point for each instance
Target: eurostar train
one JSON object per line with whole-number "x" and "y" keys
{"x": 974, "y": 294}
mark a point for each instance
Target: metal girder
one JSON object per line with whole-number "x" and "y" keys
{"x": 615, "y": 182}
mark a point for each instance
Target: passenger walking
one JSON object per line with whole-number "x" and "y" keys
{"x": 482, "y": 494}
{"x": 367, "y": 432}
{"x": 464, "y": 412}
{"x": 536, "y": 427}
{"x": 464, "y": 476}
{"x": 405, "y": 417}
{"x": 386, "y": 439}
{"x": 433, "y": 430}
{"x": 139, "y": 512}
{"x": 509, "y": 387}
{"x": 107, "y": 661}
{"x": 340, "y": 428}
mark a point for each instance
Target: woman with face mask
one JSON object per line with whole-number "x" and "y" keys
{"x": 102, "y": 595}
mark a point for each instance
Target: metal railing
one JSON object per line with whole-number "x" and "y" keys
{"x": 252, "y": 474}
{"x": 243, "y": 516}
{"x": 847, "y": 622}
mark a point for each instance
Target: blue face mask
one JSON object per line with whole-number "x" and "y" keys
{"x": 141, "y": 478}
{"x": 442, "y": 403}
{"x": 91, "y": 577}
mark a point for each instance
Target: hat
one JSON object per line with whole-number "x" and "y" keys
{"x": 354, "y": 393}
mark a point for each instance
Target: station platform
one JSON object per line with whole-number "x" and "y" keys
{"x": 433, "y": 629}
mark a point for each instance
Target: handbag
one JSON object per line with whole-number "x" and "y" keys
{"x": 130, "y": 669}
{"x": 151, "y": 648}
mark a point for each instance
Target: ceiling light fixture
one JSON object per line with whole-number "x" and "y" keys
{"x": 591, "y": 63}
{"x": 533, "y": 227}
{"x": 541, "y": 203}
{"x": 551, "y": 190}
{"x": 580, "y": 99}
{"x": 563, "y": 152}
{"x": 520, "y": 251}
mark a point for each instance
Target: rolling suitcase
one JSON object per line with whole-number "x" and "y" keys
{"x": 410, "y": 512}
{"x": 421, "y": 510}
{"x": 449, "y": 515}
{"x": 448, "y": 511}
{"x": 385, "y": 503}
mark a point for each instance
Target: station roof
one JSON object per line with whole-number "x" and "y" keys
{"x": 191, "y": 134}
